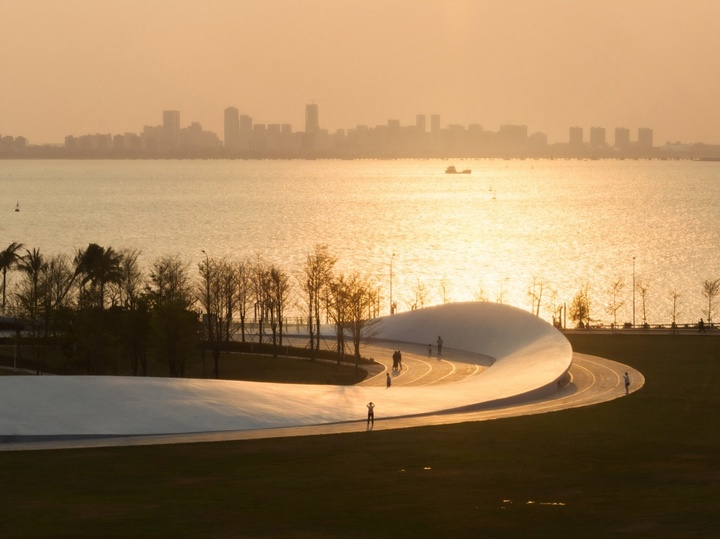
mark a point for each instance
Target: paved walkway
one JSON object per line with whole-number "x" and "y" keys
{"x": 593, "y": 380}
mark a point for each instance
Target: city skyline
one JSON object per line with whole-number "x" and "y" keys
{"x": 81, "y": 67}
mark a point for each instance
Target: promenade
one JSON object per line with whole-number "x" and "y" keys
{"x": 529, "y": 368}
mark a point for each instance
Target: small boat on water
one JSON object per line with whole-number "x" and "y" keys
{"x": 17, "y": 206}
{"x": 452, "y": 170}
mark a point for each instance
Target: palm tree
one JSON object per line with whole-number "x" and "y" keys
{"x": 98, "y": 266}
{"x": 8, "y": 259}
{"x": 32, "y": 264}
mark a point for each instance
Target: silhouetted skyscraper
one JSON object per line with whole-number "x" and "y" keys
{"x": 576, "y": 136}
{"x": 597, "y": 136}
{"x": 312, "y": 120}
{"x": 171, "y": 128}
{"x": 232, "y": 128}
{"x": 645, "y": 137}
{"x": 622, "y": 137}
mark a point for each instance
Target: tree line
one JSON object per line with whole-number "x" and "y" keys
{"x": 99, "y": 312}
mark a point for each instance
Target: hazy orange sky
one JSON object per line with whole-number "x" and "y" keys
{"x": 112, "y": 66}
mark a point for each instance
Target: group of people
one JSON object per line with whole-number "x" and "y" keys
{"x": 439, "y": 343}
{"x": 397, "y": 360}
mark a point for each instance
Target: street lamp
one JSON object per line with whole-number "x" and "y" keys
{"x": 633, "y": 292}
{"x": 392, "y": 309}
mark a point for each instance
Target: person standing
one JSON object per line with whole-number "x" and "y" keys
{"x": 371, "y": 413}
{"x": 439, "y": 345}
{"x": 627, "y": 383}
{"x": 388, "y": 381}
{"x": 399, "y": 359}
{"x": 429, "y": 350}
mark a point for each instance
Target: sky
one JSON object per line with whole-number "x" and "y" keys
{"x": 76, "y": 67}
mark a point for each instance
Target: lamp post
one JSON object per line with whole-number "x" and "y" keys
{"x": 392, "y": 309}
{"x": 633, "y": 292}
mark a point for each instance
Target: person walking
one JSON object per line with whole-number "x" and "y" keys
{"x": 388, "y": 381}
{"x": 627, "y": 383}
{"x": 439, "y": 345}
{"x": 371, "y": 413}
{"x": 399, "y": 359}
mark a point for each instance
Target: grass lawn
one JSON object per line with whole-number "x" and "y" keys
{"x": 643, "y": 466}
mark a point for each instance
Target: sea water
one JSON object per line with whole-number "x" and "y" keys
{"x": 510, "y": 228}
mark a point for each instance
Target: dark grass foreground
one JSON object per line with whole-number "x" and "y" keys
{"x": 643, "y": 466}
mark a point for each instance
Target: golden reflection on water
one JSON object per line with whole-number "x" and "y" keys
{"x": 508, "y": 229}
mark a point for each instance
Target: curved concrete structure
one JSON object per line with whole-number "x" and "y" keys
{"x": 529, "y": 357}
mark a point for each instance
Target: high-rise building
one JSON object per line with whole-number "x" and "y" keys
{"x": 312, "y": 121}
{"x": 232, "y": 128}
{"x": 645, "y": 137}
{"x": 171, "y": 128}
{"x": 435, "y": 123}
{"x": 576, "y": 136}
{"x": 622, "y": 138}
{"x": 597, "y": 136}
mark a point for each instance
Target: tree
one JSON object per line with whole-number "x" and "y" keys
{"x": 445, "y": 290}
{"x": 338, "y": 310}
{"x": 98, "y": 266}
{"x": 127, "y": 288}
{"x": 243, "y": 292}
{"x": 420, "y": 293}
{"x": 535, "y": 292}
{"x": 279, "y": 294}
{"x": 710, "y": 290}
{"x": 674, "y": 297}
{"x": 8, "y": 259}
{"x": 315, "y": 278}
{"x": 174, "y": 323}
{"x": 361, "y": 295}
{"x": 612, "y": 308}
{"x": 580, "y": 307}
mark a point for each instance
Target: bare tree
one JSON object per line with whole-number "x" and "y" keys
{"x": 710, "y": 290}
{"x": 361, "y": 293}
{"x": 420, "y": 296}
{"x": 338, "y": 310}
{"x": 616, "y": 303}
{"x": 130, "y": 280}
{"x": 674, "y": 297}
{"x": 480, "y": 294}
{"x": 243, "y": 293}
{"x": 445, "y": 290}
{"x": 315, "y": 278}
{"x": 535, "y": 292}
{"x": 279, "y": 294}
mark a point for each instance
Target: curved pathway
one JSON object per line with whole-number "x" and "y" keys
{"x": 429, "y": 389}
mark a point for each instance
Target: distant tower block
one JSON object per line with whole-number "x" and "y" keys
{"x": 312, "y": 120}
{"x": 576, "y": 136}
{"x": 232, "y": 128}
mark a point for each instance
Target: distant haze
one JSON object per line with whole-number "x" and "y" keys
{"x": 101, "y": 66}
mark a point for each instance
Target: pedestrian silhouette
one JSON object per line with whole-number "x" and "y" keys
{"x": 439, "y": 345}
{"x": 388, "y": 380}
{"x": 627, "y": 383}
{"x": 371, "y": 413}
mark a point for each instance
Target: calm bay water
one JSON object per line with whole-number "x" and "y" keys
{"x": 563, "y": 223}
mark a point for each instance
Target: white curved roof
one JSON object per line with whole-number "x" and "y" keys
{"x": 529, "y": 356}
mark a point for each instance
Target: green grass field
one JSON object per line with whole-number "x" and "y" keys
{"x": 642, "y": 466}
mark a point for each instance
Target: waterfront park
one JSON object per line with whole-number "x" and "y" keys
{"x": 643, "y": 463}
